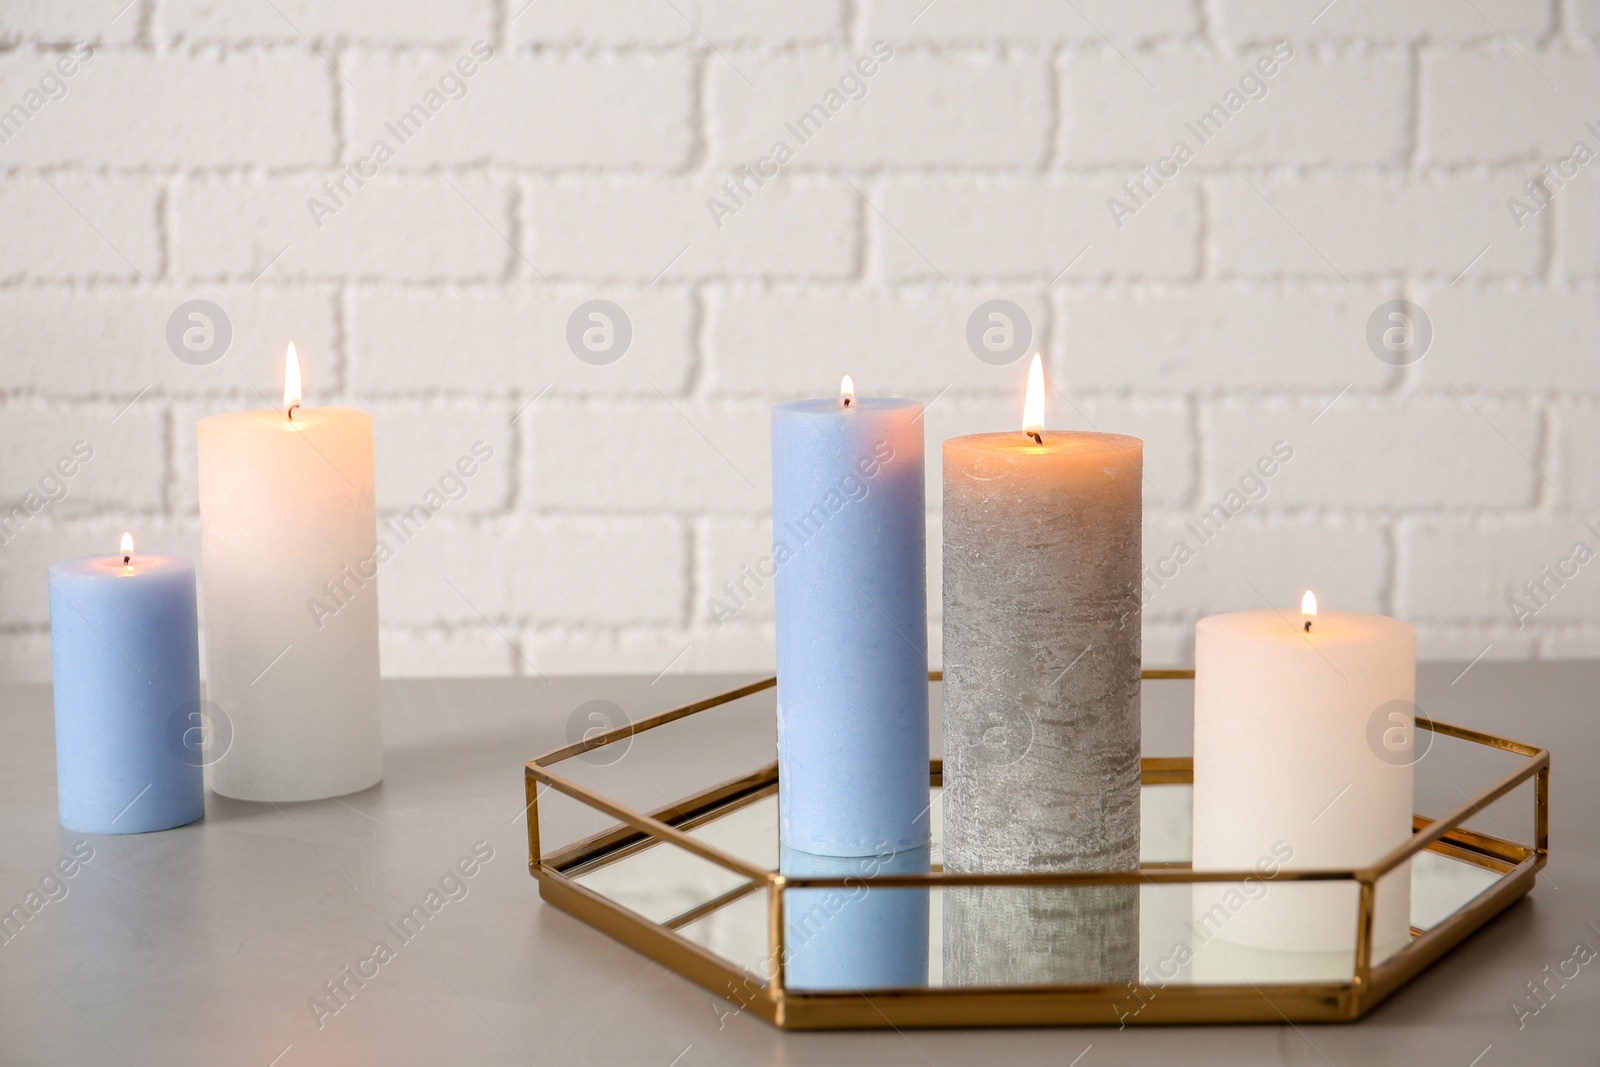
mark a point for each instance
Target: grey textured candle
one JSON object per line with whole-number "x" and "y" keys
{"x": 1041, "y": 699}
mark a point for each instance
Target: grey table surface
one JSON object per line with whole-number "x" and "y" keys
{"x": 206, "y": 944}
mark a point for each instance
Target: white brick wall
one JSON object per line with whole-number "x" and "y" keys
{"x": 1228, "y": 310}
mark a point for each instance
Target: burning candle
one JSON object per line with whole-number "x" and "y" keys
{"x": 1041, "y": 690}
{"x": 288, "y": 538}
{"x": 1303, "y": 734}
{"x": 849, "y": 548}
{"x": 125, "y": 655}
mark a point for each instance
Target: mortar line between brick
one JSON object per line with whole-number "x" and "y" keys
{"x": 698, "y": 159}
{"x": 514, "y": 197}
{"x": 516, "y": 464}
{"x": 1413, "y": 151}
{"x": 163, "y": 232}
{"x": 341, "y": 108}
{"x": 169, "y": 449}
{"x": 500, "y": 20}
{"x": 1205, "y": 23}
{"x": 1386, "y": 585}
{"x": 699, "y": 336}
{"x": 853, "y": 24}
{"x": 691, "y": 543}
{"x": 341, "y": 336}
{"x": 1055, "y": 110}
{"x": 1545, "y": 454}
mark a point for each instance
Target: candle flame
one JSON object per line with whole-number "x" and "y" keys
{"x": 127, "y": 543}
{"x": 291, "y": 380}
{"x": 1033, "y": 403}
{"x": 1308, "y": 603}
{"x": 847, "y": 391}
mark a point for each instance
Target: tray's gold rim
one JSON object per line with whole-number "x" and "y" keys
{"x": 1044, "y": 1005}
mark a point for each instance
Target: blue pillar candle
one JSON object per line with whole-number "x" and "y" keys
{"x": 849, "y": 547}
{"x": 125, "y": 655}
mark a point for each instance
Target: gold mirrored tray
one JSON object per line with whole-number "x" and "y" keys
{"x": 695, "y": 885}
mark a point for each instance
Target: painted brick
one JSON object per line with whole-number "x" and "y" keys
{"x": 25, "y": 656}
{"x": 422, "y": 447}
{"x": 291, "y": 21}
{"x": 645, "y": 231}
{"x": 1584, "y": 17}
{"x": 682, "y": 456}
{"x": 1219, "y": 338}
{"x": 125, "y": 470}
{"x": 729, "y": 584}
{"x": 1577, "y": 451}
{"x": 67, "y": 227}
{"x": 1510, "y": 339}
{"x": 1376, "y": 20}
{"x": 613, "y": 112}
{"x": 559, "y": 571}
{"x": 488, "y": 341}
{"x": 449, "y": 571}
{"x": 644, "y": 22}
{"x": 906, "y": 343}
{"x": 977, "y": 112}
{"x": 1451, "y": 571}
{"x": 1502, "y": 105}
{"x": 1411, "y": 453}
{"x": 1232, "y": 565}
{"x": 1310, "y": 111}
{"x": 1360, "y": 228}
{"x": 1028, "y": 228}
{"x": 113, "y": 341}
{"x": 69, "y": 21}
{"x": 1030, "y": 22}
{"x": 598, "y": 572}
{"x": 130, "y": 109}
{"x": 1577, "y": 220}
{"x": 411, "y": 229}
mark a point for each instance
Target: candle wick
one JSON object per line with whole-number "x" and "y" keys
{"x": 291, "y": 411}
{"x": 1308, "y": 626}
{"x": 1036, "y": 438}
{"x": 127, "y": 559}
{"x": 846, "y": 401}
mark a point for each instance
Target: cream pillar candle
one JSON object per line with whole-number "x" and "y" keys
{"x": 288, "y": 534}
{"x": 1300, "y": 763}
{"x": 1041, "y": 696}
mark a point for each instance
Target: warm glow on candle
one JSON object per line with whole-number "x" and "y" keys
{"x": 847, "y": 391}
{"x": 291, "y": 381}
{"x": 1033, "y": 402}
{"x": 127, "y": 547}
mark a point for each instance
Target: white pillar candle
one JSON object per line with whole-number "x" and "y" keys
{"x": 288, "y": 544}
{"x": 1298, "y": 763}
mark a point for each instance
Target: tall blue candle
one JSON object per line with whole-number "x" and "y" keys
{"x": 849, "y": 546}
{"x": 125, "y": 653}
